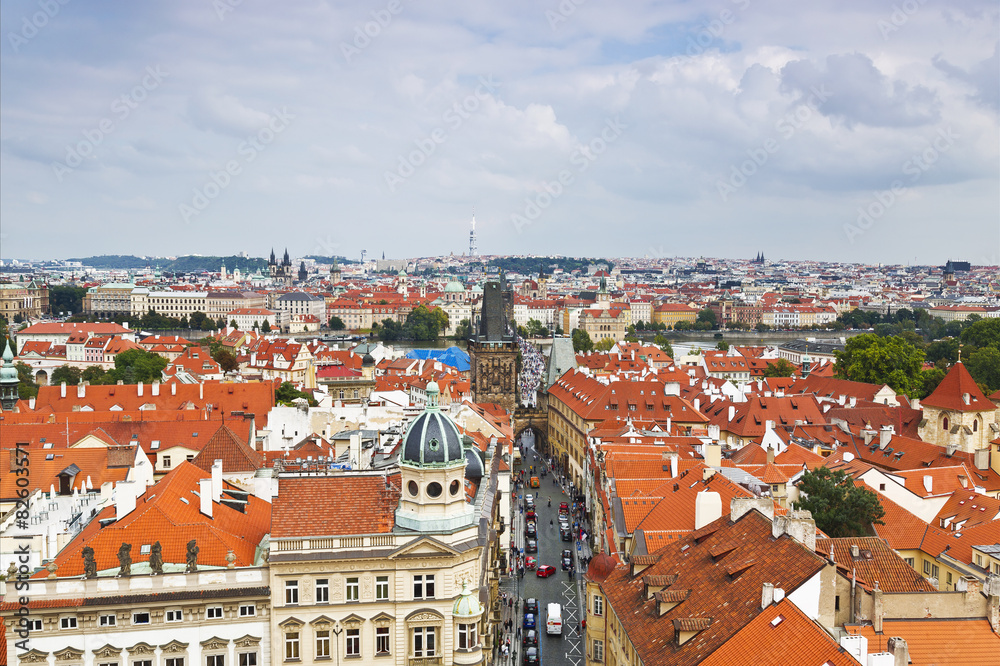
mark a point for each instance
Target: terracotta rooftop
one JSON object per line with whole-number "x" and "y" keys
{"x": 729, "y": 602}
{"x": 876, "y": 562}
{"x": 934, "y": 642}
{"x": 327, "y": 506}
{"x": 949, "y": 393}
{"x": 234, "y": 452}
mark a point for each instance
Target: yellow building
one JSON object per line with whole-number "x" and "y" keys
{"x": 670, "y": 314}
{"x": 26, "y": 300}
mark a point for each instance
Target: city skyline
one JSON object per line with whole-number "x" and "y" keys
{"x": 852, "y": 133}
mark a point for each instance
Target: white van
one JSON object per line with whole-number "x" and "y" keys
{"x": 553, "y": 621}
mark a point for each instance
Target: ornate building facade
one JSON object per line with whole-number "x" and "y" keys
{"x": 493, "y": 348}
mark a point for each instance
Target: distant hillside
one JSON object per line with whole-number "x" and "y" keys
{"x": 529, "y": 265}
{"x": 187, "y": 264}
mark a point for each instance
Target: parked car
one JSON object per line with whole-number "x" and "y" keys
{"x": 565, "y": 534}
{"x": 545, "y": 571}
{"x": 529, "y": 501}
{"x": 530, "y": 638}
{"x": 529, "y": 530}
{"x": 534, "y": 483}
{"x": 531, "y": 546}
{"x": 530, "y": 515}
{"x": 531, "y": 606}
{"x": 529, "y": 620}
{"x": 531, "y": 657}
{"x": 531, "y": 562}
{"x": 563, "y": 507}
{"x": 566, "y": 560}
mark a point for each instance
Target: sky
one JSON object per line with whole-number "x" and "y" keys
{"x": 847, "y": 130}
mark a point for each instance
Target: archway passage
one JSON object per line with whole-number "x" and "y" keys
{"x": 42, "y": 378}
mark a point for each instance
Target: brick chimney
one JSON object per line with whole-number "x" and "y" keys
{"x": 885, "y": 436}
{"x": 742, "y": 505}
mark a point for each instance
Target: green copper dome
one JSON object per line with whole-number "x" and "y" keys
{"x": 8, "y": 373}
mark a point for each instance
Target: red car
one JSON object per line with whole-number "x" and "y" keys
{"x": 530, "y": 515}
{"x": 545, "y": 571}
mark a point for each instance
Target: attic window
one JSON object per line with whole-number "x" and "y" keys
{"x": 778, "y": 620}
{"x": 47, "y": 445}
{"x": 50, "y": 456}
{"x": 155, "y": 444}
{"x": 144, "y": 550}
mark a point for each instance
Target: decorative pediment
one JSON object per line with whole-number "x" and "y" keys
{"x": 353, "y": 621}
{"x": 214, "y": 643}
{"x": 141, "y": 648}
{"x": 107, "y": 651}
{"x": 424, "y": 615}
{"x": 247, "y": 641}
{"x": 291, "y": 623}
{"x": 68, "y": 654}
{"x": 174, "y": 646}
{"x": 33, "y": 657}
{"x": 424, "y": 547}
{"x": 322, "y": 622}
{"x": 383, "y": 620}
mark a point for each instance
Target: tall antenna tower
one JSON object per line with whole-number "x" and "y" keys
{"x": 473, "y": 250}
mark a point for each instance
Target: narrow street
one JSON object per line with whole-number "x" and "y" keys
{"x": 562, "y": 587}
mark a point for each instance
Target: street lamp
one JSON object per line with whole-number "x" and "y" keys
{"x": 337, "y": 630}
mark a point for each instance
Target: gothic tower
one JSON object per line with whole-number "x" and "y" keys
{"x": 493, "y": 348}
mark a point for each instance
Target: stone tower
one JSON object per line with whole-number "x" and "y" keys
{"x": 493, "y": 348}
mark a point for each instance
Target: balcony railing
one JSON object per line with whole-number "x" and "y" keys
{"x": 425, "y": 661}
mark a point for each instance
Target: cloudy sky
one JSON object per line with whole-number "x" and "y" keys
{"x": 845, "y": 130}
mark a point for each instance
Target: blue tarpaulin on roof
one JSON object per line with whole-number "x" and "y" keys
{"x": 452, "y": 356}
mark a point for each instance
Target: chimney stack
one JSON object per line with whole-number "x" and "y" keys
{"x": 156, "y": 388}
{"x": 673, "y": 466}
{"x": 125, "y": 496}
{"x": 216, "y": 480}
{"x": 900, "y": 655}
{"x": 884, "y": 436}
{"x": 950, "y": 450}
{"x": 713, "y": 455}
{"x": 81, "y": 390}
{"x": 982, "y": 458}
{"x": 138, "y": 389}
{"x": 205, "y": 493}
{"x": 767, "y": 596}
{"x": 31, "y": 402}
{"x": 855, "y": 551}
{"x": 743, "y": 505}
{"x": 201, "y": 390}
{"x": 62, "y": 390}
{"x": 732, "y": 412}
{"x": 869, "y": 435}
{"x": 173, "y": 388}
{"x": 797, "y": 524}
{"x": 966, "y": 398}
{"x": 707, "y": 508}
{"x": 878, "y": 612}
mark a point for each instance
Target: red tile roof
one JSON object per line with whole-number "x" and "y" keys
{"x": 779, "y": 636}
{"x": 731, "y": 602}
{"x": 949, "y": 393}
{"x": 876, "y": 563}
{"x": 169, "y": 512}
{"x": 234, "y": 452}
{"x": 326, "y": 506}
{"x": 934, "y": 642}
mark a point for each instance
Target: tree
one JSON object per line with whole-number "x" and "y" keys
{"x": 840, "y": 508}
{"x": 336, "y": 323}
{"x": 722, "y": 345}
{"x": 780, "y": 368}
{"x": 287, "y": 392}
{"x": 26, "y": 386}
{"x": 683, "y": 326}
{"x": 929, "y": 380}
{"x": 664, "y": 345}
{"x": 464, "y": 330}
{"x": 984, "y": 366}
{"x": 534, "y": 328}
{"x": 762, "y": 327}
{"x": 197, "y": 320}
{"x": 425, "y": 323}
{"x": 946, "y": 349}
{"x": 64, "y": 298}
{"x": 226, "y": 360}
{"x": 983, "y": 333}
{"x": 65, "y": 373}
{"x": 604, "y": 344}
{"x": 138, "y": 365}
{"x": 581, "y": 341}
{"x": 265, "y": 327}
{"x": 389, "y": 331}
{"x": 233, "y": 324}
{"x": 93, "y": 375}
{"x": 707, "y": 316}
{"x": 874, "y": 360}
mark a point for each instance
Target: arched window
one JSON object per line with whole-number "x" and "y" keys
{"x": 944, "y": 424}
{"x": 975, "y": 425}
